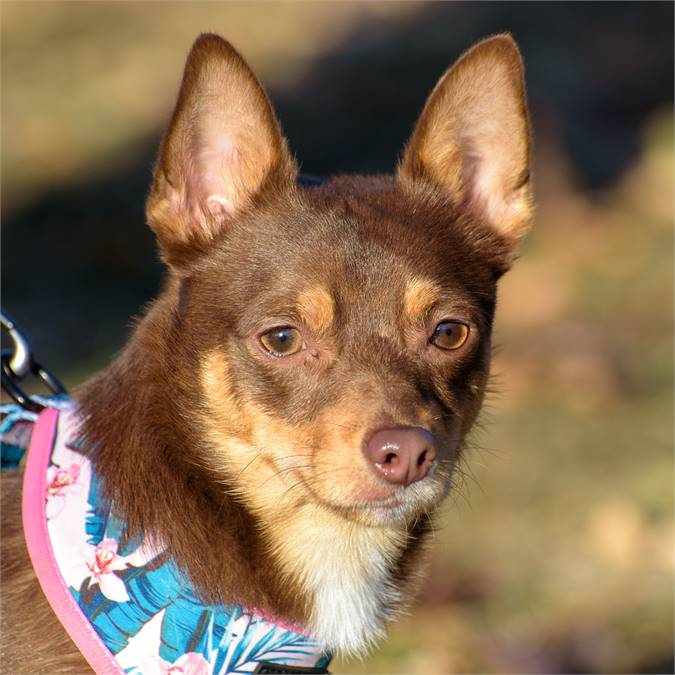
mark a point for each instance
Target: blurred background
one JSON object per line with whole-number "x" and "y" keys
{"x": 556, "y": 555}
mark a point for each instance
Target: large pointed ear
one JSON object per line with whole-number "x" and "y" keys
{"x": 222, "y": 148}
{"x": 472, "y": 139}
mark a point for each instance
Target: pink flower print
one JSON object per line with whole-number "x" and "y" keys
{"x": 61, "y": 482}
{"x": 101, "y": 563}
{"x": 188, "y": 664}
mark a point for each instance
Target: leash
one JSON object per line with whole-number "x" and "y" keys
{"x": 18, "y": 362}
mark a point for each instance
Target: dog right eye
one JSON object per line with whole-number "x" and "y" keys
{"x": 450, "y": 335}
{"x": 283, "y": 341}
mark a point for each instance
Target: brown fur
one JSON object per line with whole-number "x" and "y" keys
{"x": 230, "y": 456}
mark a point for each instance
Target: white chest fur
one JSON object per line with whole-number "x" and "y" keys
{"x": 346, "y": 568}
{"x": 352, "y": 602}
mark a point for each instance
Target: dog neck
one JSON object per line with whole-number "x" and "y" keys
{"x": 348, "y": 571}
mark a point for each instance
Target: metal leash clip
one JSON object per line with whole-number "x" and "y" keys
{"x": 18, "y": 362}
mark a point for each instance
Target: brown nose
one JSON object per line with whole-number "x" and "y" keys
{"x": 402, "y": 456}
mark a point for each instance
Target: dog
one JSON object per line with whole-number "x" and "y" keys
{"x": 286, "y": 417}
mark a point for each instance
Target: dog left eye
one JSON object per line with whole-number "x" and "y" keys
{"x": 450, "y": 335}
{"x": 283, "y": 341}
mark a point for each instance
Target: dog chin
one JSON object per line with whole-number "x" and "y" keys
{"x": 415, "y": 501}
{"x": 399, "y": 508}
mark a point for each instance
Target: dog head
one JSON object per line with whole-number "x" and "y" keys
{"x": 334, "y": 341}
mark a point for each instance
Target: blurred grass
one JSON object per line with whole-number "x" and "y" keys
{"x": 555, "y": 554}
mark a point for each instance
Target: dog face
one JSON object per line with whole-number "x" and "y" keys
{"x": 338, "y": 336}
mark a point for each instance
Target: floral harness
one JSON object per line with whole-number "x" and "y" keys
{"x": 128, "y": 608}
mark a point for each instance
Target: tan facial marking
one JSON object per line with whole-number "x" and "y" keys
{"x": 419, "y": 297}
{"x": 248, "y": 445}
{"x": 316, "y": 308}
{"x": 225, "y": 416}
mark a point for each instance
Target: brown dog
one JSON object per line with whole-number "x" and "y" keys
{"x": 287, "y": 416}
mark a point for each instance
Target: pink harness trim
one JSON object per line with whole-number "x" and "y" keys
{"x": 40, "y": 550}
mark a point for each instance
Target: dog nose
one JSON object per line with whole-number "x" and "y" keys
{"x": 402, "y": 456}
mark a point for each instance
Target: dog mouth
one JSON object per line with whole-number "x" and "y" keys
{"x": 374, "y": 503}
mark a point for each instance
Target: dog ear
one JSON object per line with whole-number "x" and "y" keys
{"x": 472, "y": 139}
{"x": 223, "y": 147}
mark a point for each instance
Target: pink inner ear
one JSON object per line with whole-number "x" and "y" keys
{"x": 218, "y": 205}
{"x": 209, "y": 185}
{"x": 487, "y": 177}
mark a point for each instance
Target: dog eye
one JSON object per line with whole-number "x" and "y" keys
{"x": 450, "y": 335}
{"x": 282, "y": 341}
